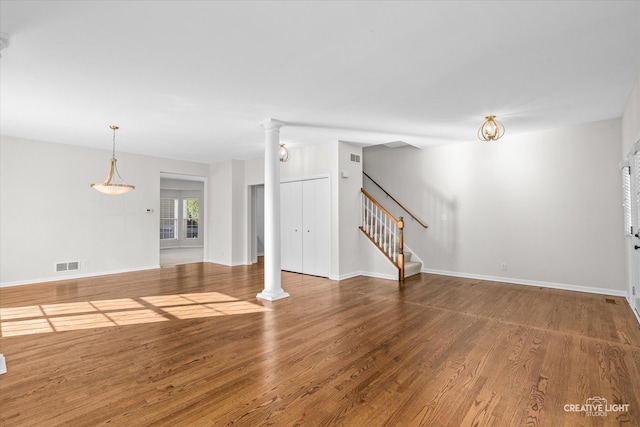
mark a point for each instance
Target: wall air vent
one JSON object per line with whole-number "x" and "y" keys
{"x": 355, "y": 158}
{"x": 67, "y": 266}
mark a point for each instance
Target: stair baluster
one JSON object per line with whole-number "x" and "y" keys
{"x": 384, "y": 231}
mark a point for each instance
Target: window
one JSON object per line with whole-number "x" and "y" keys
{"x": 168, "y": 218}
{"x": 190, "y": 213}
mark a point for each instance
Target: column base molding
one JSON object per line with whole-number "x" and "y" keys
{"x": 271, "y": 296}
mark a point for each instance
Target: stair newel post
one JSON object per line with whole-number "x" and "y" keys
{"x": 400, "y": 250}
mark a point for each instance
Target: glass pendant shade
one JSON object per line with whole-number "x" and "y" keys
{"x": 112, "y": 188}
{"x": 283, "y": 153}
{"x": 107, "y": 187}
{"x": 491, "y": 129}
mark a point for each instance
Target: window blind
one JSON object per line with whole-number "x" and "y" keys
{"x": 168, "y": 218}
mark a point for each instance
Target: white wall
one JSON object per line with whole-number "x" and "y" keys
{"x": 631, "y": 120}
{"x": 547, "y": 204}
{"x": 227, "y": 213}
{"x": 349, "y": 235}
{"x": 49, "y": 214}
{"x": 239, "y": 239}
{"x": 254, "y": 171}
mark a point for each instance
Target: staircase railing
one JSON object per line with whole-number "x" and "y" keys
{"x": 397, "y": 202}
{"x": 385, "y": 231}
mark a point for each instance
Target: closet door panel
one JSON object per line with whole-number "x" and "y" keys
{"x": 316, "y": 241}
{"x": 308, "y": 227}
{"x": 291, "y": 231}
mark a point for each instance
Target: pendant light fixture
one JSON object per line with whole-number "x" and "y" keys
{"x": 108, "y": 187}
{"x": 491, "y": 129}
{"x": 283, "y": 153}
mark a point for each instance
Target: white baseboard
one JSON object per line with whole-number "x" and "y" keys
{"x": 516, "y": 281}
{"x": 75, "y": 276}
{"x": 346, "y": 276}
{"x": 182, "y": 247}
{"x": 369, "y": 274}
{"x": 233, "y": 264}
{"x": 632, "y": 309}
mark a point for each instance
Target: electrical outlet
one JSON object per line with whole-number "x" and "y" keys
{"x": 503, "y": 266}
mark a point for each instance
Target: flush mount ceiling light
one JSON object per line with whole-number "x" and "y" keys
{"x": 283, "y": 153}
{"x": 108, "y": 187}
{"x": 491, "y": 129}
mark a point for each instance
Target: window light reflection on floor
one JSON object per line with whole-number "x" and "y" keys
{"x": 47, "y": 318}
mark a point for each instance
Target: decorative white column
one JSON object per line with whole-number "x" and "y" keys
{"x": 272, "y": 274}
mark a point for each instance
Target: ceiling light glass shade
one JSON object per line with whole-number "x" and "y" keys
{"x": 283, "y": 153}
{"x": 108, "y": 187}
{"x": 491, "y": 129}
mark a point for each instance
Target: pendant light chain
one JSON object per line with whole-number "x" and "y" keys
{"x": 115, "y": 163}
{"x": 113, "y": 155}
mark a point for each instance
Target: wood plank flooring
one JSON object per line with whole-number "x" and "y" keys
{"x": 191, "y": 346}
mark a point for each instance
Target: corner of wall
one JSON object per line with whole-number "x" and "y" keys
{"x": 631, "y": 120}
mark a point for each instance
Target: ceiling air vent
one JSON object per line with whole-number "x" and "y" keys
{"x": 355, "y": 158}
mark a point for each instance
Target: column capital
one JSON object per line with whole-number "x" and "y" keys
{"x": 271, "y": 124}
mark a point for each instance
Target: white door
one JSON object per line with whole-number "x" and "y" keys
{"x": 259, "y": 224}
{"x": 291, "y": 226}
{"x": 316, "y": 222}
{"x": 631, "y": 206}
{"x": 634, "y": 244}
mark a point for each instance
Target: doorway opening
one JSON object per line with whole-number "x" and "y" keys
{"x": 181, "y": 230}
{"x": 256, "y": 223}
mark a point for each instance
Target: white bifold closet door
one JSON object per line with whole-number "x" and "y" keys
{"x": 305, "y": 209}
{"x": 291, "y": 226}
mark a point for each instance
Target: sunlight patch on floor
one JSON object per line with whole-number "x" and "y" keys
{"x": 47, "y": 318}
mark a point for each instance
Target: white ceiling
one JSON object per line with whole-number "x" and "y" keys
{"x": 193, "y": 79}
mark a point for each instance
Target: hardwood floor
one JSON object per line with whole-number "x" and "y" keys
{"x": 170, "y": 257}
{"x": 192, "y": 346}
